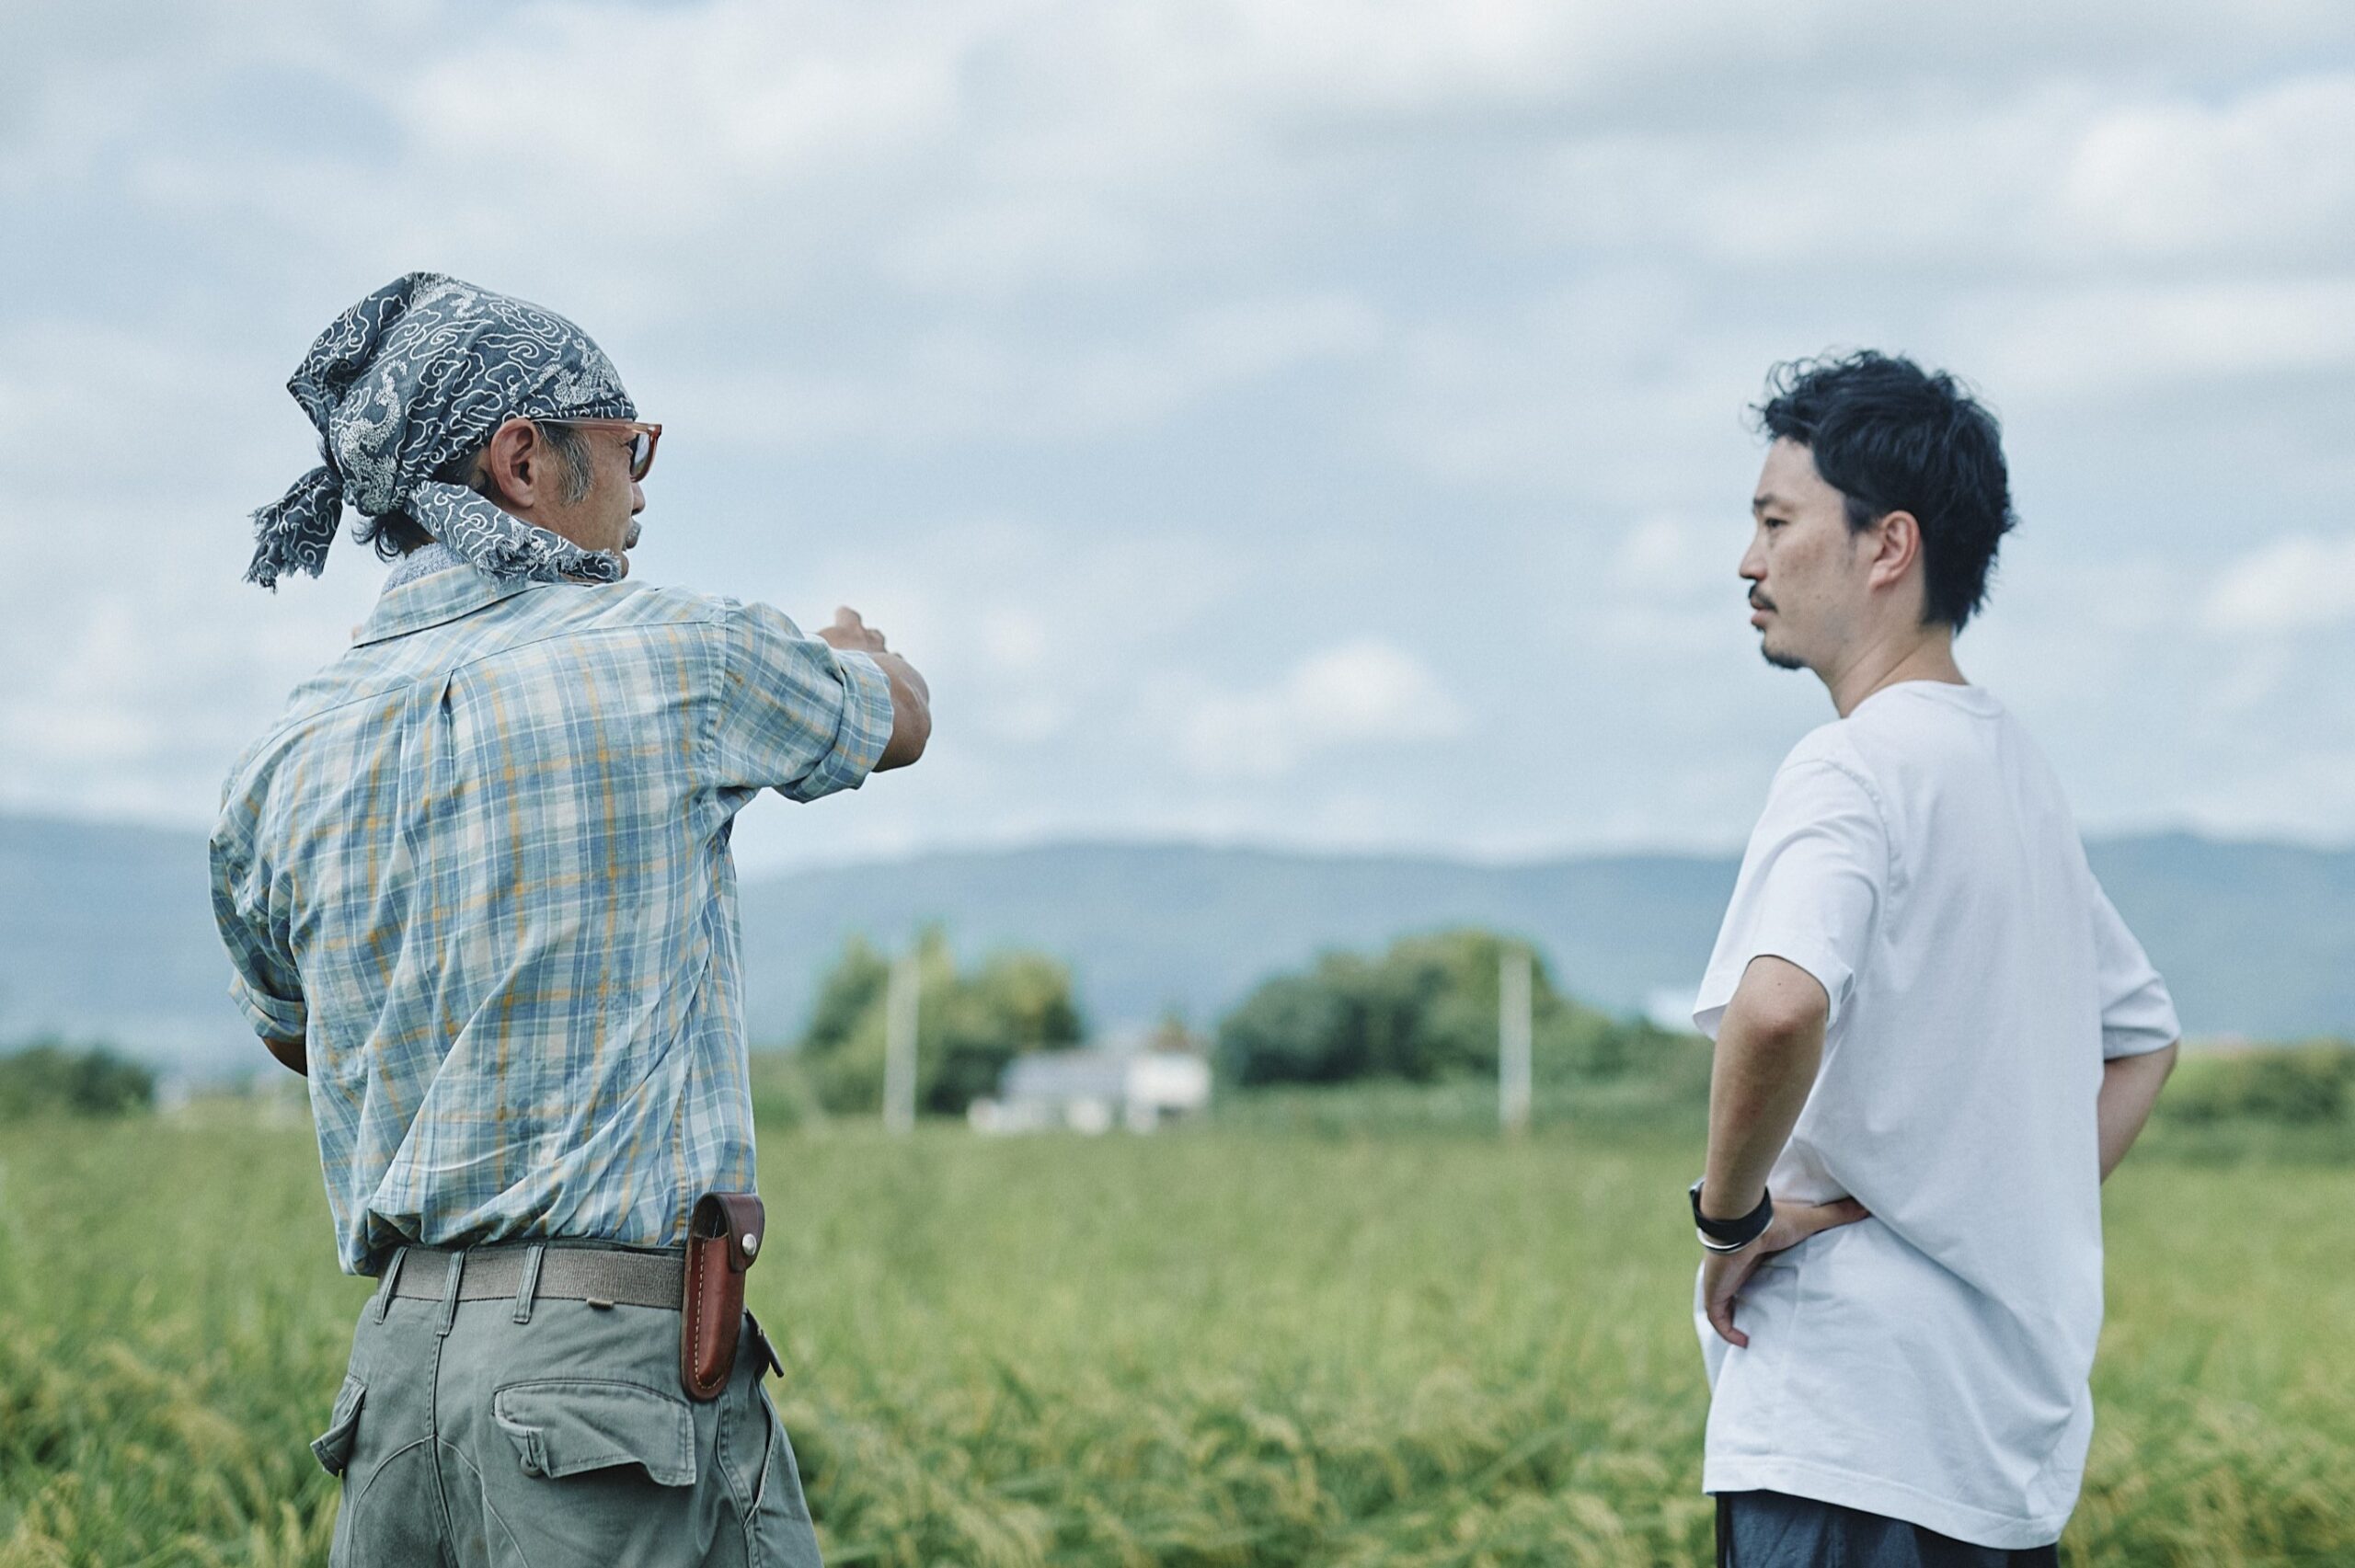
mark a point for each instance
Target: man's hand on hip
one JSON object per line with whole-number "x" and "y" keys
{"x": 1724, "y": 1274}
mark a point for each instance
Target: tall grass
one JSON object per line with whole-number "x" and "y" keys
{"x": 1230, "y": 1347}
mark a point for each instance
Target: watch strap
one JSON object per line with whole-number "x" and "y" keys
{"x": 1733, "y": 1235}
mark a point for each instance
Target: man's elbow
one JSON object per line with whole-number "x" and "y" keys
{"x": 293, "y": 1055}
{"x": 1788, "y": 1028}
{"x": 910, "y": 730}
{"x": 1778, "y": 1003}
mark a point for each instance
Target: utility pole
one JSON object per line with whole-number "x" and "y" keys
{"x": 899, "y": 1041}
{"x": 1514, "y": 1039}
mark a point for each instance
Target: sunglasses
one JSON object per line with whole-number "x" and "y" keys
{"x": 643, "y": 438}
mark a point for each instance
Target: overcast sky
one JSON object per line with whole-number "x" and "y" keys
{"x": 1282, "y": 422}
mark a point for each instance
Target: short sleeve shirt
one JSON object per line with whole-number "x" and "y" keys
{"x": 480, "y": 868}
{"x": 1930, "y": 1363}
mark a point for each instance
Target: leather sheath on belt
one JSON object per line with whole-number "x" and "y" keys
{"x": 723, "y": 1238}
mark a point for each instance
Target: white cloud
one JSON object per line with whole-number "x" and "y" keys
{"x": 2128, "y": 340}
{"x": 2295, "y": 584}
{"x": 1095, "y": 350}
{"x": 959, "y": 386}
{"x": 2268, "y": 176}
{"x": 1365, "y": 692}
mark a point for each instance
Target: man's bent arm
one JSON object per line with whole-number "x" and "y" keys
{"x": 2130, "y": 1087}
{"x": 1769, "y": 1043}
{"x": 911, "y": 698}
{"x": 292, "y": 1054}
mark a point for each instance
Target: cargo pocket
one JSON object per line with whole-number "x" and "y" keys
{"x": 778, "y": 1522}
{"x": 562, "y": 1426}
{"x": 332, "y": 1448}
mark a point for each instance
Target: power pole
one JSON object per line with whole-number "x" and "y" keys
{"x": 900, "y": 1042}
{"x": 1514, "y": 1039}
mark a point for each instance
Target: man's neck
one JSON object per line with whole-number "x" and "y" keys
{"x": 1922, "y": 653}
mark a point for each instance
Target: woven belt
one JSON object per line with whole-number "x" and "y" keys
{"x": 594, "y": 1275}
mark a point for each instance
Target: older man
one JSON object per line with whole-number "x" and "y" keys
{"x": 1934, "y": 1037}
{"x": 476, "y": 882}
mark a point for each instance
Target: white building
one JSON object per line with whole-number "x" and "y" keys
{"x": 1095, "y": 1091}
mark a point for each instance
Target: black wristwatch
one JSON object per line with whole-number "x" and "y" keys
{"x": 1733, "y": 1235}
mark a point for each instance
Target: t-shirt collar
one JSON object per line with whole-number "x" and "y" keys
{"x": 1977, "y": 699}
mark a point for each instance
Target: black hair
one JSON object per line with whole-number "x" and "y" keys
{"x": 1892, "y": 437}
{"x": 396, "y": 534}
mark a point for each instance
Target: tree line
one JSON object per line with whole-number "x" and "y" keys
{"x": 1423, "y": 1011}
{"x": 51, "y": 1077}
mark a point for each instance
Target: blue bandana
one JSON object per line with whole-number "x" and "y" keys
{"x": 412, "y": 378}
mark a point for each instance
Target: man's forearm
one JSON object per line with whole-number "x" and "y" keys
{"x": 910, "y": 711}
{"x": 2130, "y": 1087}
{"x": 1769, "y": 1045}
{"x": 293, "y": 1055}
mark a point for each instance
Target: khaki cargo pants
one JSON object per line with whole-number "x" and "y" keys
{"x": 552, "y": 1434}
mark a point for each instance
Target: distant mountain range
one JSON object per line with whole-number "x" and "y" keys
{"x": 107, "y": 930}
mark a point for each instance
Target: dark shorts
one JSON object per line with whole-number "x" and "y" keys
{"x": 1767, "y": 1529}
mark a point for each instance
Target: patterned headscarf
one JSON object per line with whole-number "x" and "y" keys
{"x": 415, "y": 376}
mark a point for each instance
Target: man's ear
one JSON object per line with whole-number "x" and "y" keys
{"x": 1896, "y": 547}
{"x": 513, "y": 464}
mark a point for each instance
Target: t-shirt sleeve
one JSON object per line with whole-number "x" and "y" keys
{"x": 1811, "y": 885}
{"x": 2137, "y": 1013}
{"x": 796, "y": 715}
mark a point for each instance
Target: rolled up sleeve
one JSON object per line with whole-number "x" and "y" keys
{"x": 796, "y": 715}
{"x": 263, "y": 979}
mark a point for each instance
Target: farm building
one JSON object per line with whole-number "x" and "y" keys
{"x": 1095, "y": 1091}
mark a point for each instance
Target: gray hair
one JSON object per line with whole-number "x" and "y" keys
{"x": 397, "y": 534}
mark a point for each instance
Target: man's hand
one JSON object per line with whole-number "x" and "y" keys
{"x": 850, "y": 632}
{"x": 911, "y": 698}
{"x": 1724, "y": 1274}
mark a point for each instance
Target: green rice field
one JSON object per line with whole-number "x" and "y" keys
{"x": 1231, "y": 1345}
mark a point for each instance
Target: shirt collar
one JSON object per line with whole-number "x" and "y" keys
{"x": 426, "y": 593}
{"x": 430, "y": 556}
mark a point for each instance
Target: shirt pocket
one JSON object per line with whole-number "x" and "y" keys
{"x": 563, "y": 1427}
{"x": 332, "y": 1448}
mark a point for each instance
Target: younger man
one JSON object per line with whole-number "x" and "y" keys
{"x": 1935, "y": 1037}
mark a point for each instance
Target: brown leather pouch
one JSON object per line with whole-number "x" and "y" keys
{"x": 723, "y": 1238}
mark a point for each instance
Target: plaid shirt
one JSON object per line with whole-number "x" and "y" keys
{"x": 480, "y": 869}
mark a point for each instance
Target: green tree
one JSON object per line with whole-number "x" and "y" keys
{"x": 1425, "y": 1010}
{"x": 969, "y": 1026}
{"x": 48, "y": 1078}
{"x": 2311, "y": 1084}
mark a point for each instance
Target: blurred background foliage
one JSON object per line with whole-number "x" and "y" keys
{"x": 2309, "y": 1085}
{"x": 1404, "y": 1039}
{"x": 969, "y": 1024}
{"x": 49, "y": 1077}
{"x": 1424, "y": 1011}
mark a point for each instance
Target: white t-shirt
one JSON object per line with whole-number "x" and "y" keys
{"x": 1930, "y": 1363}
